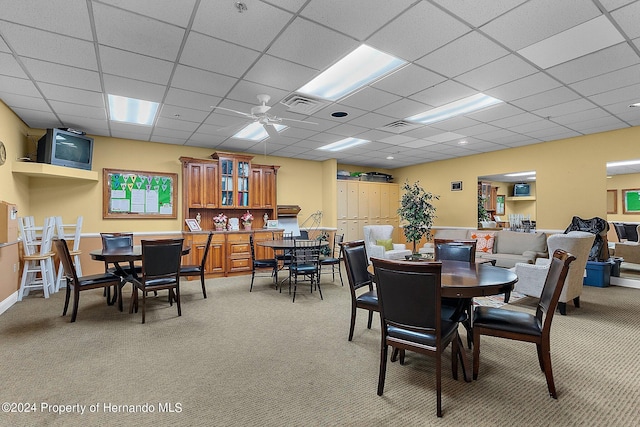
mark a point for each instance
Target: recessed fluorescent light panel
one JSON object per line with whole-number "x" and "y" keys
{"x": 343, "y": 144}
{"x": 453, "y": 109}
{"x": 130, "y": 110}
{"x": 623, "y": 163}
{"x": 520, "y": 173}
{"x": 256, "y": 132}
{"x": 357, "y": 69}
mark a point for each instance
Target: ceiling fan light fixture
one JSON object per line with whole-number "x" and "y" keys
{"x": 256, "y": 132}
{"x": 359, "y": 68}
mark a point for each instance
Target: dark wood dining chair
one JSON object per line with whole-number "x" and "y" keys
{"x": 190, "y": 270}
{"x": 520, "y": 326}
{"x": 118, "y": 240}
{"x": 261, "y": 264}
{"x": 305, "y": 263}
{"x": 409, "y": 298}
{"x": 457, "y": 250}
{"x": 333, "y": 258}
{"x": 363, "y": 293}
{"x": 160, "y": 270}
{"x": 83, "y": 283}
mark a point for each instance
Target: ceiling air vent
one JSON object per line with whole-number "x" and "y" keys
{"x": 400, "y": 126}
{"x": 303, "y": 104}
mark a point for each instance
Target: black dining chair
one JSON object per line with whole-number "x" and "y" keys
{"x": 333, "y": 258}
{"x": 83, "y": 283}
{"x": 112, "y": 241}
{"x": 261, "y": 264}
{"x": 190, "y": 270}
{"x": 363, "y": 293}
{"x": 460, "y": 308}
{"x": 521, "y": 326}
{"x": 410, "y": 312}
{"x": 160, "y": 270}
{"x": 305, "y": 263}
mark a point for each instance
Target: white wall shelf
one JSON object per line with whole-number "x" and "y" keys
{"x": 43, "y": 170}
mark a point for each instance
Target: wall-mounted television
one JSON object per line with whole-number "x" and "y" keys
{"x": 520, "y": 190}
{"x": 62, "y": 148}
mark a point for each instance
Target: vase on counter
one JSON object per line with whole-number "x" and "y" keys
{"x": 219, "y": 226}
{"x": 247, "y": 225}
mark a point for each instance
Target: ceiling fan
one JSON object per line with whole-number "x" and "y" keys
{"x": 259, "y": 114}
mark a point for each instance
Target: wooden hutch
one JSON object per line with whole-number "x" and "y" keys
{"x": 229, "y": 184}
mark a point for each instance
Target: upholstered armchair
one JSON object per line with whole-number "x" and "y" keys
{"x": 531, "y": 277}
{"x": 378, "y": 240}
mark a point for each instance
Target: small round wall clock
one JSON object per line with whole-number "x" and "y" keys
{"x": 3, "y": 153}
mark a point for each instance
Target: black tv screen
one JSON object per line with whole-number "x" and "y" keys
{"x": 521, "y": 190}
{"x": 61, "y": 148}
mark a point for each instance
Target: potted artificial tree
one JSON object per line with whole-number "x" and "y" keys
{"x": 417, "y": 212}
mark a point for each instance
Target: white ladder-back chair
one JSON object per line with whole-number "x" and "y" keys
{"x": 71, "y": 234}
{"x": 38, "y": 270}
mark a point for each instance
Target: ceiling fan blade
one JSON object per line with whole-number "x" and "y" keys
{"x": 271, "y": 130}
{"x": 296, "y": 120}
{"x": 234, "y": 111}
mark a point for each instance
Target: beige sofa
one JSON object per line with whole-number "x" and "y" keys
{"x": 505, "y": 247}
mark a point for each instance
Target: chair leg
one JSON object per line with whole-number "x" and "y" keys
{"x": 144, "y": 303}
{"x": 353, "y": 321}
{"x": 178, "y": 299}
{"x": 340, "y": 275}
{"x": 204, "y": 289}
{"x": 455, "y": 357}
{"x": 319, "y": 288}
{"x": 548, "y": 372}
{"x": 370, "y": 319}
{"x": 76, "y": 298}
{"x": 576, "y": 302}
{"x": 507, "y": 295}
{"x": 383, "y": 368}
{"x": 439, "y": 384}
{"x": 476, "y": 353}
{"x": 562, "y": 307}
{"x": 253, "y": 274}
{"x": 66, "y": 300}
{"x": 540, "y": 360}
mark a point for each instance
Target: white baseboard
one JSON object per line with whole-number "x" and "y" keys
{"x": 627, "y": 283}
{"x": 8, "y": 302}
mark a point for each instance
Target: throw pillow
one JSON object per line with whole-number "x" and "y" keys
{"x": 484, "y": 242}
{"x": 386, "y": 243}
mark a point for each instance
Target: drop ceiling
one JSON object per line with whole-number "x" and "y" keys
{"x": 60, "y": 58}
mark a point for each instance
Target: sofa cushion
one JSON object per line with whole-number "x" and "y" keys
{"x": 453, "y": 233}
{"x": 484, "y": 241}
{"x": 514, "y": 242}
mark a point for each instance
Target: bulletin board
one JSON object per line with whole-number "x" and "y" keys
{"x": 138, "y": 194}
{"x": 631, "y": 201}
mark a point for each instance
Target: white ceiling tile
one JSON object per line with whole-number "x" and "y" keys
{"x": 370, "y": 99}
{"x": 63, "y": 75}
{"x": 182, "y": 114}
{"x": 409, "y": 80}
{"x": 26, "y": 102}
{"x": 609, "y": 81}
{"x": 49, "y": 15}
{"x": 371, "y": 120}
{"x": 498, "y": 72}
{"x": 522, "y": 27}
{"x": 10, "y": 67}
{"x": 18, "y": 86}
{"x": 279, "y": 73}
{"x": 305, "y": 42}
{"x": 115, "y": 85}
{"x": 565, "y": 108}
{"x": 518, "y": 119}
{"x": 418, "y": 31}
{"x": 628, "y": 18}
{"x": 402, "y": 108}
{"x": 357, "y": 18}
{"x": 202, "y": 81}
{"x": 446, "y": 136}
{"x": 69, "y": 109}
{"x": 526, "y": 86}
{"x": 580, "y": 116}
{"x": 397, "y": 139}
{"x": 37, "y": 119}
{"x": 604, "y": 61}
{"x": 478, "y": 12}
{"x": 624, "y": 95}
{"x": 546, "y": 99}
{"x": 442, "y": 93}
{"x": 129, "y": 31}
{"x": 464, "y": 54}
{"x": 33, "y": 43}
{"x": 611, "y": 5}
{"x": 170, "y": 11}
{"x": 496, "y": 112}
{"x": 72, "y": 95}
{"x": 215, "y": 55}
{"x": 132, "y": 65}
{"x": 195, "y": 100}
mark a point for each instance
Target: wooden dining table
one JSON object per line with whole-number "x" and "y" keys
{"x": 118, "y": 256}
{"x": 466, "y": 280}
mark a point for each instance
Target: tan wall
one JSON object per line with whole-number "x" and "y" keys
{"x": 619, "y": 183}
{"x": 13, "y": 133}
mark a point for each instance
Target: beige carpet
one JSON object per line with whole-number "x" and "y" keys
{"x": 257, "y": 359}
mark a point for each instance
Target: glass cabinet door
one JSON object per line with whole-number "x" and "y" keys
{"x": 243, "y": 184}
{"x": 226, "y": 183}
